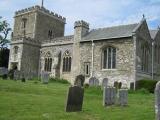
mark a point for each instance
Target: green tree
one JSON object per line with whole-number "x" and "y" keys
{"x": 4, "y": 57}
{"x": 4, "y": 51}
{"x": 4, "y": 31}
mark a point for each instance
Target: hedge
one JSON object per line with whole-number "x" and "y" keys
{"x": 147, "y": 84}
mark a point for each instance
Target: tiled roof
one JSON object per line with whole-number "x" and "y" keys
{"x": 111, "y": 32}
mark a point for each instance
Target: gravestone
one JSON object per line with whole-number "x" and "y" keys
{"x": 74, "y": 99}
{"x": 16, "y": 75}
{"x": 123, "y": 97}
{"x": 3, "y": 71}
{"x": 104, "y": 82}
{"x": 93, "y": 81}
{"x": 45, "y": 77}
{"x": 109, "y": 96}
{"x": 79, "y": 80}
{"x": 157, "y": 101}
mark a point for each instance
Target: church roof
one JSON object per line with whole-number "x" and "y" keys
{"x": 153, "y": 33}
{"x": 111, "y": 32}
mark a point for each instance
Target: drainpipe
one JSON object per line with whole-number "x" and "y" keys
{"x": 152, "y": 60}
{"x": 135, "y": 59}
{"x": 92, "y": 70}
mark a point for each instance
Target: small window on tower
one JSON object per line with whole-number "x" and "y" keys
{"x": 87, "y": 68}
{"x": 50, "y": 34}
{"x": 24, "y": 21}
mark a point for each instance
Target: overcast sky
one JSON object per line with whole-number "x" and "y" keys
{"x": 99, "y": 13}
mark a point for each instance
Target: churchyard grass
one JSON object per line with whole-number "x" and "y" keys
{"x": 37, "y": 101}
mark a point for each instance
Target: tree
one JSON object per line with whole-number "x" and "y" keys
{"x": 4, "y": 57}
{"x": 4, "y": 51}
{"x": 4, "y": 30}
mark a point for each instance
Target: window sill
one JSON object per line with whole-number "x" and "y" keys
{"x": 66, "y": 72}
{"x": 109, "y": 69}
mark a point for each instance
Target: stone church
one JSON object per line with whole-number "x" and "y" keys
{"x": 123, "y": 53}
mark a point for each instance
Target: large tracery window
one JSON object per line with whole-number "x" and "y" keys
{"x": 67, "y": 62}
{"x": 109, "y": 58}
{"x": 145, "y": 57}
{"x": 48, "y": 62}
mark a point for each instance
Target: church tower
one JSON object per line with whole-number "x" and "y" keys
{"x": 32, "y": 26}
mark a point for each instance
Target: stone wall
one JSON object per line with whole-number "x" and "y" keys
{"x": 55, "y": 50}
{"x": 30, "y": 26}
{"x": 143, "y": 38}
{"x": 38, "y": 23}
{"x": 124, "y": 71}
{"x": 46, "y": 23}
{"x": 15, "y": 58}
{"x": 30, "y": 59}
{"x": 157, "y": 57}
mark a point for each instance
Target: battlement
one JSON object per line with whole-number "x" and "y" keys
{"x": 42, "y": 9}
{"x": 81, "y": 23}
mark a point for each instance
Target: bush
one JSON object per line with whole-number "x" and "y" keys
{"x": 11, "y": 74}
{"x": 146, "y": 84}
{"x": 59, "y": 80}
{"x": 86, "y": 85}
{"x": 143, "y": 91}
{"x": 4, "y": 76}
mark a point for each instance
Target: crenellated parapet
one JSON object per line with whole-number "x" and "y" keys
{"x": 41, "y": 9}
{"x": 81, "y": 23}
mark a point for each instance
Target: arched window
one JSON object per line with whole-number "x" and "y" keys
{"x": 16, "y": 50}
{"x": 158, "y": 54}
{"x": 145, "y": 57}
{"x": 48, "y": 62}
{"x": 109, "y": 58}
{"x": 50, "y": 34}
{"x": 67, "y": 60}
{"x": 15, "y": 53}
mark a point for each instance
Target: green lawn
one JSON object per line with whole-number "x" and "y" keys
{"x": 30, "y": 101}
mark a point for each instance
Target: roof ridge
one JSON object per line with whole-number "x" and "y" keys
{"x": 114, "y": 26}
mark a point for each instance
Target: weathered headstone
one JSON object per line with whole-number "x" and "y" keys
{"x": 157, "y": 101}
{"x": 93, "y": 81}
{"x": 3, "y": 71}
{"x": 104, "y": 82}
{"x": 109, "y": 96}
{"x": 45, "y": 77}
{"x": 123, "y": 97}
{"x": 74, "y": 99}
{"x": 79, "y": 81}
{"x": 16, "y": 75}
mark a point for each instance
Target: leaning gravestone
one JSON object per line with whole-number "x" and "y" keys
{"x": 45, "y": 77}
{"x": 104, "y": 82}
{"x": 93, "y": 81}
{"x": 109, "y": 96}
{"x": 79, "y": 81}
{"x": 75, "y": 99}
{"x": 123, "y": 97}
{"x": 157, "y": 101}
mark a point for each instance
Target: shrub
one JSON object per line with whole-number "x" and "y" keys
{"x": 4, "y": 76}
{"x": 146, "y": 84}
{"x": 11, "y": 74}
{"x": 23, "y": 80}
{"x": 86, "y": 85}
{"x": 143, "y": 91}
{"x": 59, "y": 80}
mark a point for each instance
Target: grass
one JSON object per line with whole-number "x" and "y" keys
{"x": 30, "y": 101}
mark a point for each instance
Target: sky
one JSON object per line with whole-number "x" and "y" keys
{"x": 98, "y": 13}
